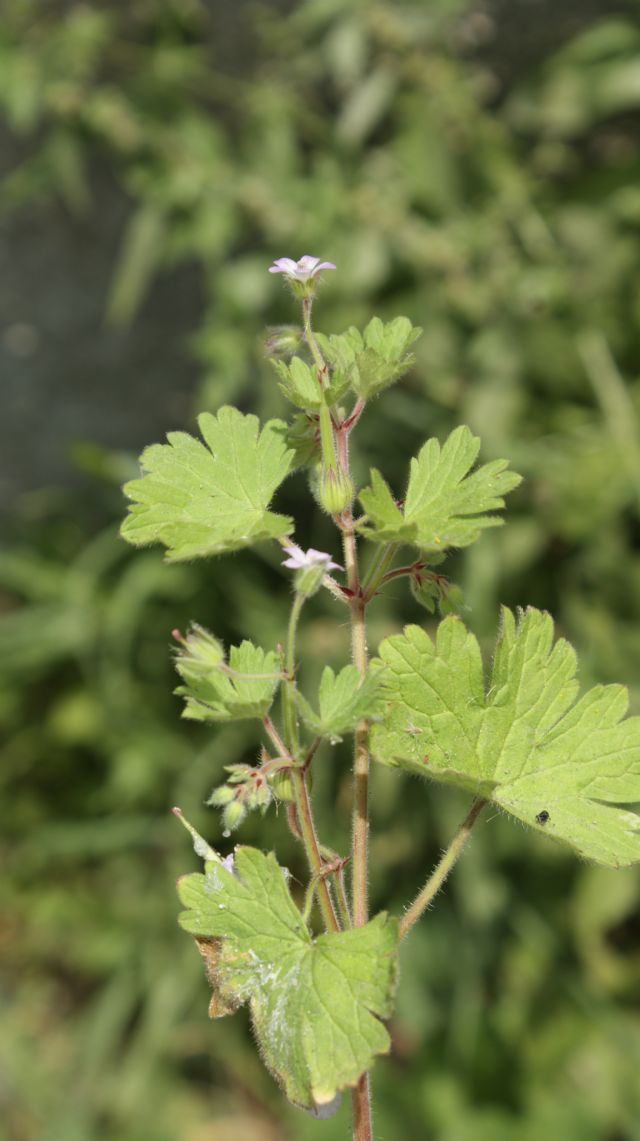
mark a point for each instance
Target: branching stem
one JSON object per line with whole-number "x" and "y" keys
{"x": 399, "y": 572}
{"x": 349, "y": 424}
{"x": 311, "y": 752}
{"x": 379, "y": 571}
{"x": 275, "y": 738}
{"x": 310, "y": 839}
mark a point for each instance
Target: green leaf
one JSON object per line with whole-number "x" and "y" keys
{"x": 299, "y": 383}
{"x": 344, "y": 700}
{"x": 372, "y": 360}
{"x": 302, "y": 438}
{"x": 558, "y": 765}
{"x": 202, "y": 499}
{"x": 444, "y": 505}
{"x": 316, "y": 1004}
{"x": 243, "y": 689}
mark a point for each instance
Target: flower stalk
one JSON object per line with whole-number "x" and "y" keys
{"x": 298, "y": 773}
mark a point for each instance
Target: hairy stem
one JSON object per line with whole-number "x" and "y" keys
{"x": 312, "y": 848}
{"x": 361, "y": 1095}
{"x": 361, "y": 1108}
{"x": 399, "y": 572}
{"x": 311, "y": 752}
{"x": 343, "y": 902}
{"x": 360, "y": 779}
{"x": 289, "y": 714}
{"x": 298, "y": 776}
{"x": 334, "y": 588}
{"x": 441, "y": 870}
{"x": 309, "y": 336}
{"x": 358, "y": 408}
{"x": 274, "y": 737}
{"x": 378, "y": 569}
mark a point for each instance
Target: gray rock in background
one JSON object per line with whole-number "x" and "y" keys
{"x": 66, "y": 376}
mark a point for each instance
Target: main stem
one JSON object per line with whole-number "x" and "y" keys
{"x": 361, "y": 1094}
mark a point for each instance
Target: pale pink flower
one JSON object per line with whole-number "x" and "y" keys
{"x": 307, "y": 560}
{"x": 304, "y": 270}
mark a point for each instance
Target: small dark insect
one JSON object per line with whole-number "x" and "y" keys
{"x": 542, "y": 817}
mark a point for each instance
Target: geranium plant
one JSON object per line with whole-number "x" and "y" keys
{"x": 522, "y": 739}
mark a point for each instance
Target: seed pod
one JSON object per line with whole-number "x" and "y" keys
{"x": 282, "y": 786}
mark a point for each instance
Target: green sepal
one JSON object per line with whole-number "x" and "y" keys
{"x": 370, "y": 361}
{"x": 559, "y": 765}
{"x": 445, "y": 506}
{"x": 344, "y": 700}
{"x": 316, "y": 1004}
{"x": 201, "y": 499}
{"x": 219, "y": 695}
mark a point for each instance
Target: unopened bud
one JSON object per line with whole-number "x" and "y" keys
{"x": 336, "y": 490}
{"x": 221, "y": 796}
{"x": 234, "y": 814}
{"x": 452, "y": 600}
{"x": 259, "y": 795}
{"x": 199, "y": 652}
{"x": 282, "y": 341}
{"x": 425, "y": 591}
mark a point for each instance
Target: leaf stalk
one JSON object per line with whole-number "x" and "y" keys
{"x": 439, "y": 874}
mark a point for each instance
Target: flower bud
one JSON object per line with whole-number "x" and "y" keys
{"x": 234, "y": 814}
{"x": 259, "y": 795}
{"x": 238, "y": 774}
{"x": 221, "y": 796}
{"x": 336, "y": 490}
{"x": 282, "y": 340}
{"x": 425, "y": 591}
{"x": 452, "y": 601}
{"x": 199, "y": 653}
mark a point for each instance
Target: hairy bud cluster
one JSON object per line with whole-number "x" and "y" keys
{"x": 246, "y": 790}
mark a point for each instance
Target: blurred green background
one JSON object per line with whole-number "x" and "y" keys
{"x": 472, "y": 164}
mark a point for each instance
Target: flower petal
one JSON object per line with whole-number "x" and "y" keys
{"x": 307, "y": 267}
{"x": 283, "y": 265}
{"x": 320, "y": 558}
{"x": 296, "y": 557}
